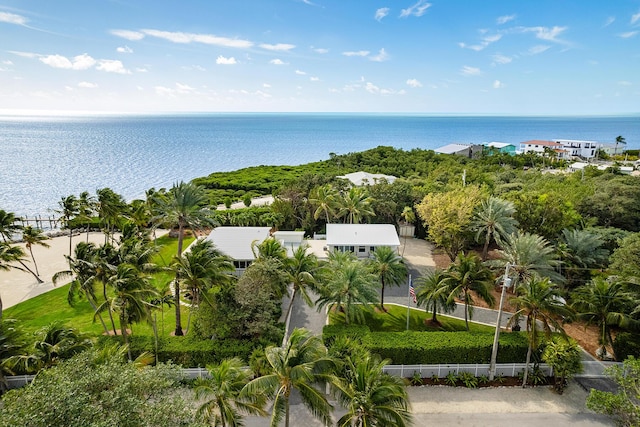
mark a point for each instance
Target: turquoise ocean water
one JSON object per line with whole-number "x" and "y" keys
{"x": 46, "y": 158}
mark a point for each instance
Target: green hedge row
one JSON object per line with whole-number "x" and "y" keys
{"x": 626, "y": 344}
{"x": 412, "y": 348}
{"x": 188, "y": 352}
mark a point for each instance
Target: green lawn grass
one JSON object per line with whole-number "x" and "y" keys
{"x": 395, "y": 320}
{"x": 39, "y": 311}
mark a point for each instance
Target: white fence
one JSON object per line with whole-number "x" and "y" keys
{"x": 477, "y": 370}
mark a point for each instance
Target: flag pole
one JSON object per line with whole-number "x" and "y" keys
{"x": 408, "y": 302}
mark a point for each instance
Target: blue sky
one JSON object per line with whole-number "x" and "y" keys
{"x": 541, "y": 57}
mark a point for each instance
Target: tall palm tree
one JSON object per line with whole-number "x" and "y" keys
{"x": 34, "y": 236}
{"x": 68, "y": 211}
{"x": 131, "y": 293}
{"x": 269, "y": 248}
{"x": 8, "y": 255}
{"x": 355, "y": 205}
{"x": 224, "y": 405}
{"x": 603, "y": 303}
{"x": 111, "y": 208}
{"x": 200, "y": 269}
{"x": 86, "y": 209}
{"x": 620, "y": 140}
{"x": 389, "y": 267}
{"x": 183, "y": 207}
{"x": 324, "y": 198}
{"x": 433, "y": 293}
{"x": 539, "y": 300}
{"x": 468, "y": 274}
{"x": 8, "y": 225}
{"x": 372, "y": 397}
{"x": 581, "y": 250}
{"x": 351, "y": 288}
{"x": 300, "y": 364}
{"x": 302, "y": 269}
{"x": 12, "y": 343}
{"x": 494, "y": 221}
{"x": 528, "y": 254}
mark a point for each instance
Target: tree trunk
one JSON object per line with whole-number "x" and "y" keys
{"x": 31, "y": 271}
{"x": 286, "y": 414}
{"x": 95, "y": 310}
{"x": 466, "y": 312}
{"x": 34, "y": 261}
{"x": 485, "y": 249}
{"x": 286, "y": 318}
{"x": 176, "y": 285}
{"x": 382, "y": 295}
{"x": 113, "y": 323}
{"x": 70, "y": 238}
{"x": 0, "y": 312}
{"x": 525, "y": 377}
{"x": 433, "y": 316}
{"x": 123, "y": 331}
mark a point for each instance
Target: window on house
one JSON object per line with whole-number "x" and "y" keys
{"x": 361, "y": 249}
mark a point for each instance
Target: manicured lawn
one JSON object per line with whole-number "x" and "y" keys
{"x": 39, "y": 311}
{"x": 395, "y": 320}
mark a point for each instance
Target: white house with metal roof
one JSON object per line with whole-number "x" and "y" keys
{"x": 466, "y": 150}
{"x": 235, "y": 242}
{"x": 361, "y": 239}
{"x": 361, "y": 178}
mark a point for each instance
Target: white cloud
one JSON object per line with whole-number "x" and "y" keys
{"x": 320, "y": 50}
{"x": 371, "y": 88}
{"x": 221, "y": 60}
{"x": 609, "y": 21}
{"x": 485, "y": 41}
{"x": 80, "y": 62}
{"x": 112, "y": 66}
{"x": 635, "y": 17}
{"x": 164, "y": 91}
{"x": 301, "y": 73}
{"x": 380, "y": 57}
{"x": 501, "y": 59}
{"x": 314, "y": 79}
{"x": 413, "y": 83}
{"x": 25, "y": 54}
{"x": 628, "y": 34}
{"x": 278, "y": 47}
{"x": 266, "y": 85}
{"x": 277, "y": 62}
{"x": 504, "y": 19}
{"x": 127, "y": 34}
{"x": 141, "y": 70}
{"x": 124, "y": 49}
{"x": 545, "y": 33}
{"x": 497, "y": 84}
{"x": 381, "y": 13}
{"x": 184, "y": 38}
{"x": 87, "y": 85}
{"x": 12, "y": 18}
{"x": 624, "y": 83}
{"x": 7, "y": 62}
{"x": 470, "y": 71}
{"x": 182, "y": 88}
{"x": 418, "y": 9}
{"x": 538, "y": 49}
{"x": 356, "y": 53}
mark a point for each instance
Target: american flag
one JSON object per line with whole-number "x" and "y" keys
{"x": 412, "y": 291}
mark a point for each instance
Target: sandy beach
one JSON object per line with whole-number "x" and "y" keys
{"x": 17, "y": 286}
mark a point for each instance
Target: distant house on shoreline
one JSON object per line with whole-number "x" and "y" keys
{"x": 467, "y": 150}
{"x": 359, "y": 179}
{"x": 540, "y": 147}
{"x": 501, "y": 147}
{"x": 565, "y": 149}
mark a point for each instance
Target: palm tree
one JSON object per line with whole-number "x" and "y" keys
{"x": 269, "y": 248}
{"x": 8, "y": 255}
{"x": 110, "y": 207}
{"x": 302, "y": 269}
{"x": 495, "y": 221}
{"x": 82, "y": 271}
{"x": 8, "y": 226}
{"x": 68, "y": 211}
{"x": 468, "y": 274}
{"x": 620, "y": 140}
{"x": 129, "y": 299}
{"x": 200, "y": 269}
{"x": 389, "y": 267}
{"x": 12, "y": 343}
{"x": 433, "y": 292}
{"x": 528, "y": 254}
{"x": 539, "y": 300}
{"x": 86, "y": 209}
{"x": 370, "y": 396}
{"x": 224, "y": 404}
{"x": 349, "y": 287}
{"x": 581, "y": 250}
{"x": 324, "y": 197}
{"x": 300, "y": 364}
{"x": 355, "y": 205}
{"x": 34, "y": 236}
{"x": 183, "y": 207}
{"x": 603, "y": 303}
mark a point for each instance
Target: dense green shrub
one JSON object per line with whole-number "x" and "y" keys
{"x": 413, "y": 347}
{"x": 626, "y": 344}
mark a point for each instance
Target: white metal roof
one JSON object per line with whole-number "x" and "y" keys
{"x": 362, "y": 235}
{"x": 360, "y": 178}
{"x": 499, "y": 144}
{"x": 452, "y": 148}
{"x": 236, "y": 241}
